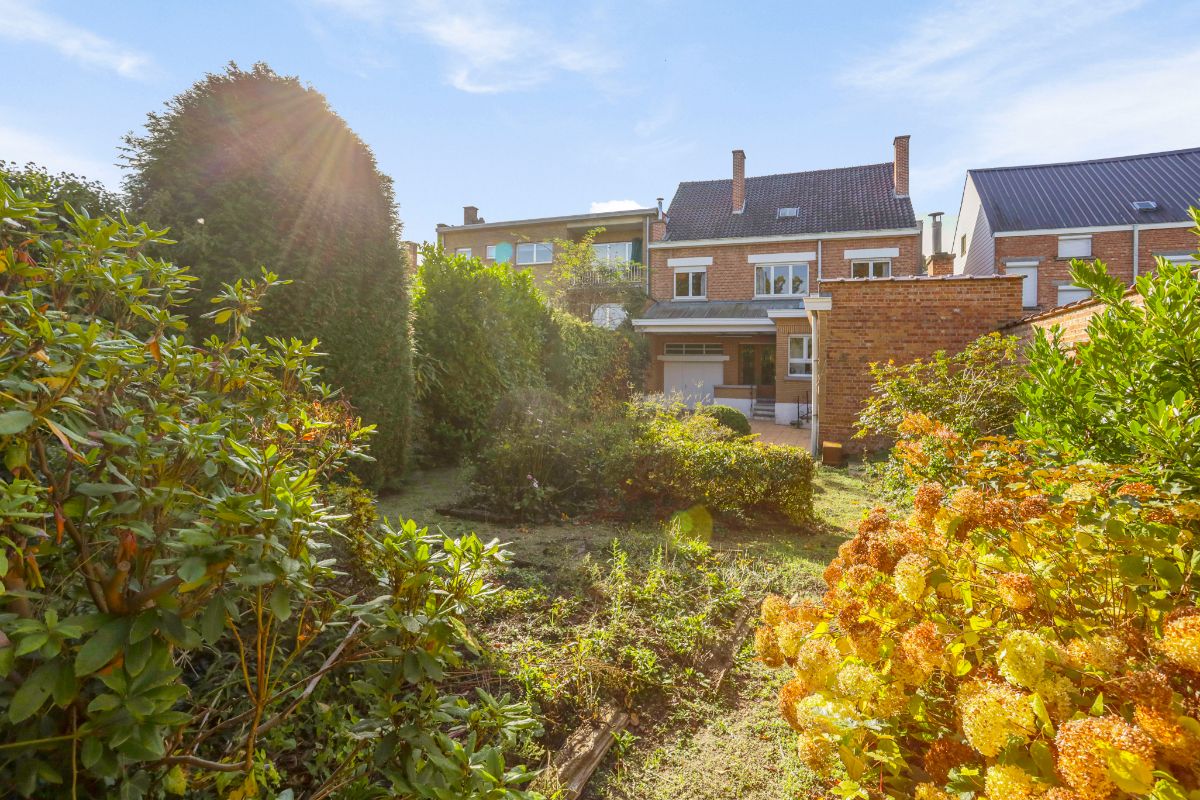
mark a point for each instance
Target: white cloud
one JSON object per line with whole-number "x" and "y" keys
{"x": 601, "y": 206}
{"x": 18, "y": 147}
{"x": 964, "y": 45}
{"x": 25, "y": 22}
{"x": 1119, "y": 108}
{"x": 489, "y": 48}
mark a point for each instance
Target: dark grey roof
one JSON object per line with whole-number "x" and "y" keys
{"x": 1085, "y": 194}
{"x": 829, "y": 200}
{"x": 716, "y": 309}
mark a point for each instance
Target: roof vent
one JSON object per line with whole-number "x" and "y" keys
{"x": 787, "y": 212}
{"x": 1145, "y": 205}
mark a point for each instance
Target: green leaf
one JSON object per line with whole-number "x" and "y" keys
{"x": 33, "y": 692}
{"x": 102, "y": 647}
{"x": 12, "y": 422}
{"x": 281, "y": 602}
{"x": 102, "y": 489}
{"x": 212, "y": 621}
{"x": 1129, "y": 772}
{"x": 192, "y": 569}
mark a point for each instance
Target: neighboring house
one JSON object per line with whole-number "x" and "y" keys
{"x": 736, "y": 268}
{"x": 1031, "y": 221}
{"x": 529, "y": 243}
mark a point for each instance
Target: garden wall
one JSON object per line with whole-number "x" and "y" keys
{"x": 899, "y": 319}
{"x": 1073, "y": 319}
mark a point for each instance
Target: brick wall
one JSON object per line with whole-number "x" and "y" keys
{"x": 731, "y": 345}
{"x": 1072, "y": 319}
{"x": 899, "y": 319}
{"x": 731, "y": 276}
{"x": 1114, "y": 248}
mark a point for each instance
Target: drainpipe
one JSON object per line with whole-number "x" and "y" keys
{"x": 815, "y": 394}
{"x": 818, "y": 261}
{"x": 1135, "y": 251}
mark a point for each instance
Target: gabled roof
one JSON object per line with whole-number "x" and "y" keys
{"x": 827, "y": 201}
{"x": 1087, "y": 194}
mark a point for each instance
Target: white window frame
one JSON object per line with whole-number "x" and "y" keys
{"x": 1071, "y": 288}
{"x": 607, "y": 257}
{"x": 791, "y": 274}
{"x": 872, "y": 263}
{"x": 463, "y": 251}
{"x": 689, "y": 271}
{"x": 1069, "y": 240}
{"x": 489, "y": 252}
{"x": 543, "y": 253}
{"x": 1027, "y": 269}
{"x": 800, "y": 368}
{"x": 693, "y": 349}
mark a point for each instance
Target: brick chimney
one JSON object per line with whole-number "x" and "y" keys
{"x": 471, "y": 215}
{"x": 940, "y": 264}
{"x": 900, "y": 166}
{"x": 739, "y": 181}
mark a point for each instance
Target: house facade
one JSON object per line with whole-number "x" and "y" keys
{"x": 737, "y": 267}
{"x": 529, "y": 243}
{"x": 1032, "y": 221}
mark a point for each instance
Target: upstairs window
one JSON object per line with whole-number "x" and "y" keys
{"x": 691, "y": 283}
{"x": 613, "y": 252}
{"x": 800, "y": 361}
{"x": 1075, "y": 247}
{"x": 463, "y": 251}
{"x": 535, "y": 253}
{"x": 490, "y": 252}
{"x": 781, "y": 279}
{"x": 872, "y": 268}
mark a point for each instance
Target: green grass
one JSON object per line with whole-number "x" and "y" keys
{"x": 695, "y": 743}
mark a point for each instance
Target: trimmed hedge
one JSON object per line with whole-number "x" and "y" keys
{"x": 730, "y": 417}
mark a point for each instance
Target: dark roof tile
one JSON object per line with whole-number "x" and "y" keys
{"x": 1087, "y": 194}
{"x": 829, "y": 200}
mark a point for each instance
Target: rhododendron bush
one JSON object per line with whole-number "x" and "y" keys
{"x": 1024, "y": 631}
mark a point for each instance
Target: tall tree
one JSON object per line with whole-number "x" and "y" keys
{"x": 39, "y": 184}
{"x": 249, "y": 168}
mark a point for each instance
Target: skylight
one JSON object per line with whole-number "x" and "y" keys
{"x": 788, "y": 212}
{"x": 1145, "y": 205}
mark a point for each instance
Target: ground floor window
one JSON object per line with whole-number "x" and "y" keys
{"x": 1071, "y": 294}
{"x": 871, "y": 268}
{"x": 1029, "y": 286}
{"x": 693, "y": 349}
{"x": 800, "y": 358}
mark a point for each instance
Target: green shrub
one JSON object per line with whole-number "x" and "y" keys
{"x": 544, "y": 458}
{"x": 593, "y": 367}
{"x": 170, "y": 621}
{"x": 730, "y": 417}
{"x": 250, "y": 168}
{"x": 697, "y": 460}
{"x": 480, "y": 331}
{"x": 1131, "y": 394}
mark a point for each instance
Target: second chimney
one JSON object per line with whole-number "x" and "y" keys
{"x": 900, "y": 166}
{"x": 936, "y": 239}
{"x": 739, "y": 181}
{"x": 470, "y": 215}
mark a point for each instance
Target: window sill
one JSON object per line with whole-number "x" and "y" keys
{"x": 798, "y": 377}
{"x": 781, "y": 296}
{"x": 689, "y": 299}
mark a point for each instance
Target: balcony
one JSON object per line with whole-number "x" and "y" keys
{"x": 616, "y": 275}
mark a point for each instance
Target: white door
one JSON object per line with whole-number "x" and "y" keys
{"x": 693, "y": 380}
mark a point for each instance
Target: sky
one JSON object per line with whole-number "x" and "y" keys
{"x": 529, "y": 109}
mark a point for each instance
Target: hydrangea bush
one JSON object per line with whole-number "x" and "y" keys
{"x": 1024, "y": 631}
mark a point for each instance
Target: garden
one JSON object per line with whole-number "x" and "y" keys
{"x": 284, "y": 516}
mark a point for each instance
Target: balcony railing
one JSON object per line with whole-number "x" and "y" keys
{"x": 627, "y": 274}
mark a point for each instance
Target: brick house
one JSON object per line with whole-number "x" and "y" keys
{"x": 773, "y": 294}
{"x": 1031, "y": 221}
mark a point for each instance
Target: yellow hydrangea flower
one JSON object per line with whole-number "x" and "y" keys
{"x": 909, "y": 577}
{"x": 1082, "y": 760}
{"x": 991, "y": 713}
{"x": 1181, "y": 641}
{"x": 1006, "y": 782}
{"x": 1022, "y": 658}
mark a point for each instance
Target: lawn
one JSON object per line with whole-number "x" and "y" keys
{"x": 687, "y": 741}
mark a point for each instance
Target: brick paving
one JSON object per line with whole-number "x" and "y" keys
{"x": 771, "y": 433}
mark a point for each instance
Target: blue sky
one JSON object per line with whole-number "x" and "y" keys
{"x": 543, "y": 108}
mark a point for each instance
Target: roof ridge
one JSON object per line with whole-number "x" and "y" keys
{"x": 1107, "y": 160}
{"x": 786, "y": 174}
